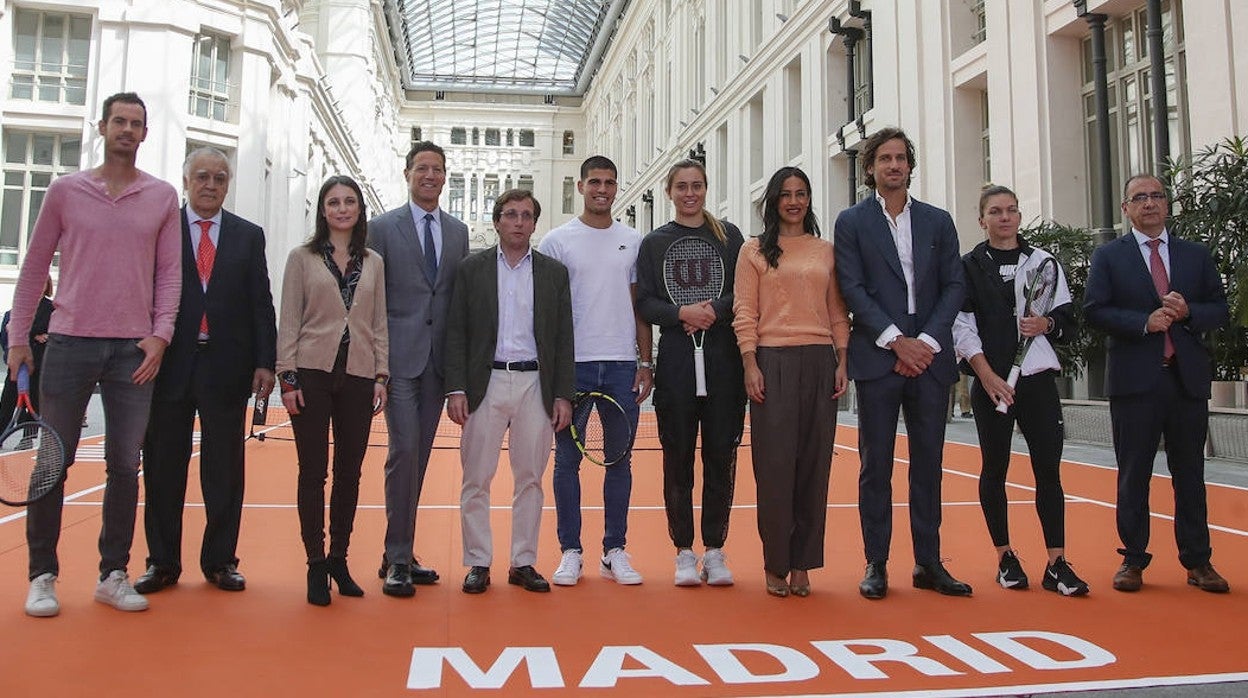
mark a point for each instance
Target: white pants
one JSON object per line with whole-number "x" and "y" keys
{"x": 512, "y": 404}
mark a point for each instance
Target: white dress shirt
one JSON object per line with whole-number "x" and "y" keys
{"x": 904, "y": 240}
{"x": 515, "y": 310}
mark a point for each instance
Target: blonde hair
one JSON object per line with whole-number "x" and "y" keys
{"x": 711, "y": 221}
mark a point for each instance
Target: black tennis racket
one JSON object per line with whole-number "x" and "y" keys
{"x": 1041, "y": 289}
{"x": 693, "y": 272}
{"x": 32, "y": 455}
{"x": 259, "y": 418}
{"x": 594, "y": 416}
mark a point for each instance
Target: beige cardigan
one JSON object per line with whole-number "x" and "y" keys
{"x": 313, "y": 317}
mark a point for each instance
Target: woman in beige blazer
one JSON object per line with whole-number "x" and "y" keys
{"x": 332, "y": 348}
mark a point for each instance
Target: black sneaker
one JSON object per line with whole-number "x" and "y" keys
{"x": 1010, "y": 572}
{"x": 1061, "y": 578}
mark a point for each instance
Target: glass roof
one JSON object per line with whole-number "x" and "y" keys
{"x": 523, "y": 46}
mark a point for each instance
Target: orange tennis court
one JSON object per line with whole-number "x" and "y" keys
{"x": 599, "y": 638}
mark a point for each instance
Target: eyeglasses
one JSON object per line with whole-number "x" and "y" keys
{"x": 512, "y": 215}
{"x": 1142, "y": 197}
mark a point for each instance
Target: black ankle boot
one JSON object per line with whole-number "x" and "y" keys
{"x": 318, "y": 583}
{"x": 338, "y": 571}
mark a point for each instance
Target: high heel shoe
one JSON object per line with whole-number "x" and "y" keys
{"x": 337, "y": 568}
{"x": 318, "y": 583}
{"x": 799, "y": 588}
{"x": 777, "y": 586}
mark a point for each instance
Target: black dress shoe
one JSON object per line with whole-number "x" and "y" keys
{"x": 420, "y": 575}
{"x": 155, "y": 579}
{"x": 874, "y": 584}
{"x": 477, "y": 580}
{"x": 227, "y": 578}
{"x": 423, "y": 575}
{"x": 937, "y": 578}
{"x": 398, "y": 582}
{"x": 528, "y": 578}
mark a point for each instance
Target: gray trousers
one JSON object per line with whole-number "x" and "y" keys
{"x": 72, "y": 367}
{"x": 413, "y": 410}
{"x": 792, "y": 433}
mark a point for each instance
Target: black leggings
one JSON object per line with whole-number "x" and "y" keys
{"x": 1039, "y": 415}
{"x": 721, "y": 417}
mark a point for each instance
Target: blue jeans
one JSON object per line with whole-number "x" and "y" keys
{"x": 72, "y": 367}
{"x": 615, "y": 378}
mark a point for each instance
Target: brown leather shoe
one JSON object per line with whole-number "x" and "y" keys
{"x": 1207, "y": 579}
{"x": 1129, "y": 578}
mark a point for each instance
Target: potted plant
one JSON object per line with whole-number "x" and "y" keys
{"x": 1210, "y": 195}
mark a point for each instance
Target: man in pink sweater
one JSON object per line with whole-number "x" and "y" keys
{"x": 117, "y": 230}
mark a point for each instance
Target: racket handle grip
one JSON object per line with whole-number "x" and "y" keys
{"x": 23, "y": 379}
{"x": 1012, "y": 380}
{"x": 699, "y": 372}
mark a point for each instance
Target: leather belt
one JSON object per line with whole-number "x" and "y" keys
{"x": 1167, "y": 362}
{"x": 201, "y": 344}
{"x": 516, "y": 365}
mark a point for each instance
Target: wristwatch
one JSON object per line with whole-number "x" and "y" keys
{"x": 383, "y": 379}
{"x": 289, "y": 379}
{"x": 645, "y": 364}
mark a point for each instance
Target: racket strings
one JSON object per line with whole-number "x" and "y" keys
{"x": 693, "y": 271}
{"x": 32, "y": 462}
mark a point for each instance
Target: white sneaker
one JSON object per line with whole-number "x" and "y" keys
{"x": 41, "y": 601}
{"x": 615, "y": 565}
{"x": 116, "y": 591}
{"x": 715, "y": 569}
{"x": 687, "y": 569}
{"x": 569, "y": 571}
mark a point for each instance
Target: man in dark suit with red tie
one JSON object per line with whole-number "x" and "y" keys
{"x": 1157, "y": 296}
{"x": 223, "y": 350}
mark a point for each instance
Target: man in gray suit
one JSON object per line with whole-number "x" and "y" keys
{"x": 509, "y": 369}
{"x": 422, "y": 246}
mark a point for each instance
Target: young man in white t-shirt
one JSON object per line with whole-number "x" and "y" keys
{"x": 612, "y": 357}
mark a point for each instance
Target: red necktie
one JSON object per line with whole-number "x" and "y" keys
{"x": 1161, "y": 282}
{"x": 204, "y": 258}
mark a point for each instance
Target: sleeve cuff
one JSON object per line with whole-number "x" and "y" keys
{"x": 889, "y": 334}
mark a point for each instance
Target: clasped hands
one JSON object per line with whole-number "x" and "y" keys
{"x": 913, "y": 356}
{"x": 696, "y": 317}
{"x": 1173, "y": 309}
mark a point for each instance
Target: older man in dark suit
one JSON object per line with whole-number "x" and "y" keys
{"x": 901, "y": 275}
{"x": 509, "y": 368}
{"x": 1157, "y": 295}
{"x": 223, "y": 350}
{"x": 422, "y": 246}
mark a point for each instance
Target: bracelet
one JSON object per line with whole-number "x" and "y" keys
{"x": 382, "y": 380}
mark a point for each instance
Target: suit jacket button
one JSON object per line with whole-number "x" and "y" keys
{"x": 429, "y": 321}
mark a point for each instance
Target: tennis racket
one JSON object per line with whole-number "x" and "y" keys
{"x": 259, "y": 418}
{"x": 693, "y": 272}
{"x": 1041, "y": 288}
{"x": 32, "y": 455}
{"x": 594, "y": 416}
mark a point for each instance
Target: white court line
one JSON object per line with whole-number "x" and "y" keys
{"x": 447, "y": 507}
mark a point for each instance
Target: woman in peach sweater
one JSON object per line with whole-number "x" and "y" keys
{"x": 792, "y": 328}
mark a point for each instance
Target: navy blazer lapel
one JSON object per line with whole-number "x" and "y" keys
{"x": 1135, "y": 260}
{"x": 921, "y": 236}
{"x": 881, "y": 234}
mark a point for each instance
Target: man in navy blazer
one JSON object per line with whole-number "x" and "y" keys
{"x": 898, "y": 264}
{"x": 223, "y": 350}
{"x": 421, "y": 246}
{"x": 1157, "y": 295}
